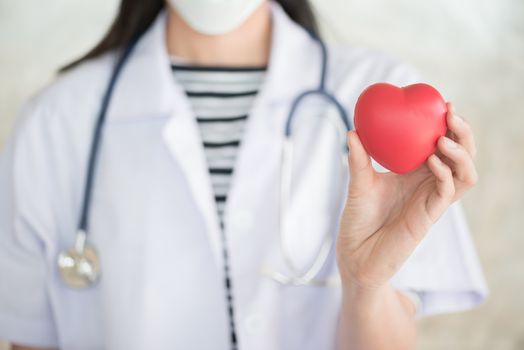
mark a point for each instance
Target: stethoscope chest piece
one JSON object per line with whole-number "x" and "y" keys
{"x": 79, "y": 266}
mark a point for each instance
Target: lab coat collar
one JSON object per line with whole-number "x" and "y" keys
{"x": 146, "y": 86}
{"x": 147, "y": 89}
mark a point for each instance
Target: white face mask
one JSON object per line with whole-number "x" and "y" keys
{"x": 214, "y": 17}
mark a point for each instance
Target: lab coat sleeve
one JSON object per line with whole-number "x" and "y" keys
{"x": 25, "y": 214}
{"x": 443, "y": 271}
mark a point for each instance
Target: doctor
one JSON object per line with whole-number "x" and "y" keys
{"x": 196, "y": 246}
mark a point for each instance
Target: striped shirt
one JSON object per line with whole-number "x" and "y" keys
{"x": 221, "y": 98}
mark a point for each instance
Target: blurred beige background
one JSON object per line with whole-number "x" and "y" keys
{"x": 472, "y": 50}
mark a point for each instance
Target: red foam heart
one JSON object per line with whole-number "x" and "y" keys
{"x": 399, "y": 127}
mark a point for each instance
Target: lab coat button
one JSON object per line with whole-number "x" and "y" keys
{"x": 253, "y": 323}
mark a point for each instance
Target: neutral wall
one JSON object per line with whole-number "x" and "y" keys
{"x": 472, "y": 50}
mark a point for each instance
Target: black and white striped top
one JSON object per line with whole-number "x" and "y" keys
{"x": 221, "y": 98}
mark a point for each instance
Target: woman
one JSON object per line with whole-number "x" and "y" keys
{"x": 185, "y": 208}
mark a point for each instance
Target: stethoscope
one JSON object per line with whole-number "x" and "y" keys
{"x": 79, "y": 266}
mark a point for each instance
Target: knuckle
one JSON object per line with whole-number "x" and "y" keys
{"x": 448, "y": 173}
{"x": 450, "y": 184}
{"x": 462, "y": 155}
{"x": 472, "y": 179}
{"x": 452, "y": 192}
{"x": 452, "y": 189}
{"x": 465, "y": 125}
{"x": 464, "y": 130}
{"x": 449, "y": 191}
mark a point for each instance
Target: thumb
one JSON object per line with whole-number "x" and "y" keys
{"x": 360, "y": 167}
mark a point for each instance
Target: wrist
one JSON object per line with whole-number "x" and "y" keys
{"x": 362, "y": 300}
{"x": 357, "y": 298}
{"x": 358, "y": 283}
{"x": 355, "y": 291}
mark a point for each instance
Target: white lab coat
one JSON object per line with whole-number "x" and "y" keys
{"x": 153, "y": 218}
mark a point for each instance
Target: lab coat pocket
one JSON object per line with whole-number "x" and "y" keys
{"x": 308, "y": 245}
{"x": 311, "y": 203}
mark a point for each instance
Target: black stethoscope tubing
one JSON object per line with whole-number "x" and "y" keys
{"x": 100, "y": 121}
{"x": 97, "y": 136}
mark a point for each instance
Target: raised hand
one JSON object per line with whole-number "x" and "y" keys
{"x": 387, "y": 215}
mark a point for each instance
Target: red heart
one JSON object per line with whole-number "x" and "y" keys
{"x": 399, "y": 127}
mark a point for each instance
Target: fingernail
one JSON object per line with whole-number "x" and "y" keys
{"x": 449, "y": 143}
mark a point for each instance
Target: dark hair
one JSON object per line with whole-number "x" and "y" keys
{"x": 135, "y": 16}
